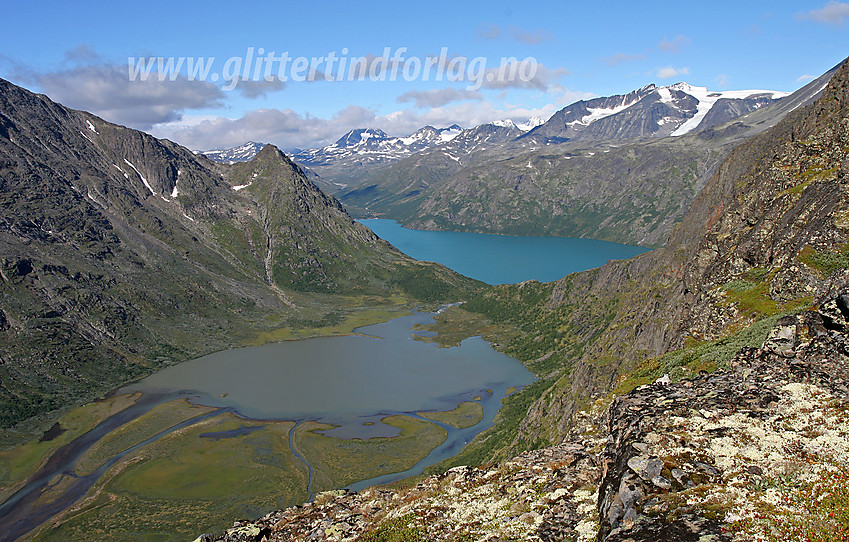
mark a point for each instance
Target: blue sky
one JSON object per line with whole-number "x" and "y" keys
{"x": 77, "y": 53}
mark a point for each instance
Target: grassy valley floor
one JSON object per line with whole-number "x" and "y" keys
{"x": 181, "y": 465}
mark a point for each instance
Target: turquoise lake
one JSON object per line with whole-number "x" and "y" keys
{"x": 501, "y": 259}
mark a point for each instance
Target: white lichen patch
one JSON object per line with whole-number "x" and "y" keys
{"x": 762, "y": 457}
{"x": 588, "y": 526}
{"x": 508, "y": 502}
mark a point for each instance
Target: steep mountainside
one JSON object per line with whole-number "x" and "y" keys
{"x": 727, "y": 350}
{"x": 122, "y": 253}
{"x": 650, "y": 111}
{"x": 765, "y": 236}
{"x": 631, "y": 194}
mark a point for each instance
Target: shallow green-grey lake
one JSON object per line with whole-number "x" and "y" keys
{"x": 345, "y": 379}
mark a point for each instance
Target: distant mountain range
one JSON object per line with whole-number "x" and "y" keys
{"x": 672, "y": 110}
{"x": 360, "y": 151}
{"x": 621, "y": 168}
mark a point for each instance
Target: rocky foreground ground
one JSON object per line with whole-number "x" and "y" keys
{"x": 756, "y": 452}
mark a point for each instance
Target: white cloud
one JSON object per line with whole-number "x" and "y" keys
{"x": 438, "y": 96}
{"x": 288, "y": 129}
{"x": 531, "y": 37}
{"x": 255, "y": 89}
{"x": 107, "y": 92}
{"x": 527, "y": 36}
{"x": 82, "y": 53}
{"x": 619, "y": 58}
{"x": 502, "y": 77}
{"x": 805, "y": 78}
{"x": 834, "y": 13}
{"x": 668, "y": 72}
{"x": 568, "y": 97}
{"x": 489, "y": 31}
{"x": 722, "y": 80}
{"x": 91, "y": 83}
{"x": 674, "y": 45}
{"x": 284, "y": 127}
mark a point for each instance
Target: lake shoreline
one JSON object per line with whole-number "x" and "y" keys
{"x": 32, "y": 514}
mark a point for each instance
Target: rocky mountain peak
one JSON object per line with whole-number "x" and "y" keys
{"x": 271, "y": 152}
{"x": 240, "y": 153}
{"x": 651, "y": 111}
{"x": 361, "y": 136}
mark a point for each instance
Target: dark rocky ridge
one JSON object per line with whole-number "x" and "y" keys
{"x": 805, "y": 357}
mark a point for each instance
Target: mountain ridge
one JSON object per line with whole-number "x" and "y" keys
{"x": 671, "y": 110}
{"x": 628, "y": 191}
{"x": 241, "y": 153}
{"x": 123, "y": 253}
{"x": 354, "y": 157}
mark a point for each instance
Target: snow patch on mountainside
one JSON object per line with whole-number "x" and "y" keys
{"x": 665, "y": 95}
{"x": 598, "y": 113}
{"x": 450, "y": 133}
{"x": 707, "y": 99}
{"x": 242, "y": 153}
{"x": 140, "y": 176}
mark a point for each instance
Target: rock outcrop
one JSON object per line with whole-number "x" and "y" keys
{"x": 728, "y": 454}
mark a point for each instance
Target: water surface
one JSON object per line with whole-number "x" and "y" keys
{"x": 502, "y": 259}
{"x": 342, "y": 380}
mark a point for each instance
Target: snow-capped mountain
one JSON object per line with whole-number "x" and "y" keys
{"x": 242, "y": 153}
{"x": 480, "y": 137}
{"x": 650, "y": 111}
{"x": 374, "y": 145}
{"x": 364, "y": 149}
{"x": 530, "y": 124}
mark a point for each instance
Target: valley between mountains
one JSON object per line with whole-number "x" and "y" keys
{"x": 695, "y": 392}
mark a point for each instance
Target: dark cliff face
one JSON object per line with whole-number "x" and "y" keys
{"x": 766, "y": 236}
{"x": 120, "y": 253}
{"x": 695, "y": 459}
